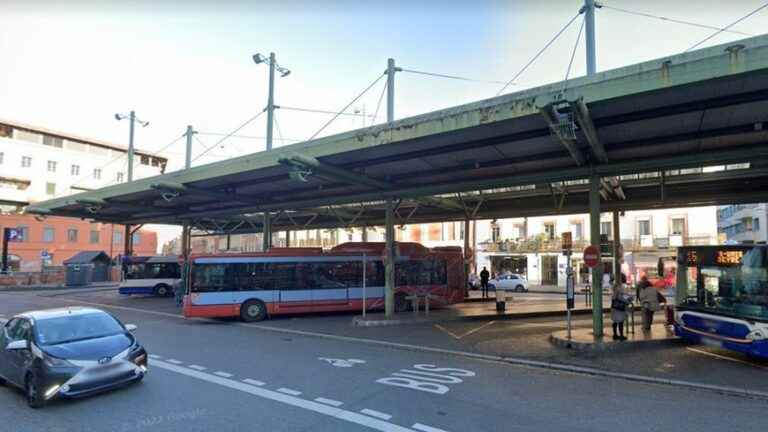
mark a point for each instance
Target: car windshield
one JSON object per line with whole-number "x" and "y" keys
{"x": 53, "y": 331}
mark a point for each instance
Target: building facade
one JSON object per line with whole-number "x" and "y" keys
{"x": 743, "y": 223}
{"x": 38, "y": 164}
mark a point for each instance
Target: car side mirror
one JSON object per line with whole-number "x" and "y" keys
{"x": 130, "y": 327}
{"x": 17, "y": 345}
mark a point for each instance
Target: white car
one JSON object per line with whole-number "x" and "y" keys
{"x": 509, "y": 282}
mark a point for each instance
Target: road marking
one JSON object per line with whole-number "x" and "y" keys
{"x": 377, "y": 414}
{"x": 329, "y": 401}
{"x": 155, "y": 356}
{"x": 254, "y": 382}
{"x": 345, "y": 363}
{"x": 223, "y": 374}
{"x": 319, "y": 408}
{"x": 425, "y": 428}
{"x": 289, "y": 391}
{"x": 198, "y": 367}
{"x": 174, "y": 361}
{"x": 455, "y": 336}
{"x": 722, "y": 357}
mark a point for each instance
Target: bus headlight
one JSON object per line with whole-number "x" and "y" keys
{"x": 756, "y": 335}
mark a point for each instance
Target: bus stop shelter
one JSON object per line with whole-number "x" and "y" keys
{"x": 685, "y": 130}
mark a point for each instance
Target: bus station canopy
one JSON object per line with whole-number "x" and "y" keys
{"x": 690, "y": 129}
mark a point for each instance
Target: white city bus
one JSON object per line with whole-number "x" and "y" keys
{"x": 154, "y": 275}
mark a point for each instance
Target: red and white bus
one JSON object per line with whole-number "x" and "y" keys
{"x": 299, "y": 280}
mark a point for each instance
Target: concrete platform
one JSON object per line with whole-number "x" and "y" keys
{"x": 584, "y": 339}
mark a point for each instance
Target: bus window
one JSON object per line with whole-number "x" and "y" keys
{"x": 374, "y": 273}
{"x": 211, "y": 277}
{"x": 279, "y": 276}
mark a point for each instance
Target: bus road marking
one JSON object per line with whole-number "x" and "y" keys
{"x": 253, "y": 382}
{"x": 455, "y": 336}
{"x": 425, "y": 428}
{"x": 289, "y": 391}
{"x": 330, "y": 411}
{"x": 377, "y": 414}
{"x": 722, "y": 357}
{"x": 223, "y": 374}
{"x": 198, "y": 367}
{"x": 329, "y": 401}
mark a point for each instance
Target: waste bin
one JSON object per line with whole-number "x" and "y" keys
{"x": 501, "y": 299}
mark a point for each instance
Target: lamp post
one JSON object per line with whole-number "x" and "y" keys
{"x": 273, "y": 66}
{"x": 133, "y": 119}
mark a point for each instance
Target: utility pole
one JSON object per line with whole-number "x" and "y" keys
{"x": 273, "y": 66}
{"x": 589, "y": 22}
{"x": 188, "y": 155}
{"x": 132, "y": 120}
{"x": 185, "y": 229}
{"x": 391, "y": 69}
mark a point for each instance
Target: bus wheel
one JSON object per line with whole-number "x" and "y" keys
{"x": 253, "y": 310}
{"x": 162, "y": 290}
{"x": 401, "y": 303}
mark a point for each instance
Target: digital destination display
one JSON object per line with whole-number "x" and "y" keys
{"x": 729, "y": 257}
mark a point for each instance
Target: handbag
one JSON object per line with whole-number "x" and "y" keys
{"x": 618, "y": 304}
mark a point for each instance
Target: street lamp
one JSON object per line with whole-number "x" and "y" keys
{"x": 258, "y": 59}
{"x": 133, "y": 119}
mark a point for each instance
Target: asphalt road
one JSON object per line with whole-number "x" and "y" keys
{"x": 227, "y": 376}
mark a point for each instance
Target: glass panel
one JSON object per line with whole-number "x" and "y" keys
{"x": 53, "y": 331}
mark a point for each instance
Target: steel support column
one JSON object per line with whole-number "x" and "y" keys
{"x": 616, "y": 248}
{"x": 266, "y": 233}
{"x": 597, "y": 272}
{"x": 287, "y": 238}
{"x": 589, "y": 20}
{"x": 467, "y": 255}
{"x": 365, "y": 233}
{"x": 389, "y": 266}
{"x": 127, "y": 242}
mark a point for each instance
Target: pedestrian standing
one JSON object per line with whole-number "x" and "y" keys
{"x": 619, "y": 303}
{"x": 649, "y": 301}
{"x": 484, "y": 276}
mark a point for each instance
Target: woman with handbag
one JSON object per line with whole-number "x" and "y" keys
{"x": 619, "y": 303}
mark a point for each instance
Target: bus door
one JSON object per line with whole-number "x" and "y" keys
{"x": 328, "y": 280}
{"x": 294, "y": 293}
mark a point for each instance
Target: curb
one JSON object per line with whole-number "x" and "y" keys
{"x": 600, "y": 346}
{"x": 358, "y": 321}
{"x": 36, "y": 288}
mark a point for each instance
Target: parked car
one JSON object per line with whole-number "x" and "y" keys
{"x": 67, "y": 353}
{"x": 510, "y": 282}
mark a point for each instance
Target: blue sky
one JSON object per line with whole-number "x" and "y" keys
{"x": 71, "y": 65}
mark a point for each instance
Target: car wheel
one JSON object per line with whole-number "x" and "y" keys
{"x": 32, "y": 392}
{"x": 520, "y": 288}
{"x": 253, "y": 310}
{"x": 401, "y": 303}
{"x": 162, "y": 290}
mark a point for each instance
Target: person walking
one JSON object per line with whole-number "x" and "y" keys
{"x": 484, "y": 276}
{"x": 649, "y": 301}
{"x": 619, "y": 303}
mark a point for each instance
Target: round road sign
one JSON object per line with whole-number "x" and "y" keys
{"x": 592, "y": 256}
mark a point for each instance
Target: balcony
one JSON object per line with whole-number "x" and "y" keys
{"x": 543, "y": 244}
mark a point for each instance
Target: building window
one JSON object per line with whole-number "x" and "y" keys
{"x": 144, "y": 160}
{"x": 606, "y": 229}
{"x": 72, "y": 235}
{"x": 49, "y": 234}
{"x": 549, "y": 230}
{"x": 51, "y": 166}
{"x": 2, "y": 156}
{"x": 26, "y": 161}
{"x": 75, "y": 170}
{"x": 495, "y": 231}
{"x": 94, "y": 237}
{"x": 678, "y": 226}
{"x": 24, "y": 231}
{"x": 6, "y": 131}
{"x": 27, "y": 136}
{"x": 117, "y": 237}
{"x": 97, "y": 173}
{"x": 644, "y": 227}
{"x": 120, "y": 177}
{"x": 756, "y": 224}
{"x": 136, "y": 239}
{"x": 50, "y": 188}
{"x": 577, "y": 228}
{"x": 53, "y": 141}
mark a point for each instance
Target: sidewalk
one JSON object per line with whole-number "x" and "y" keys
{"x": 583, "y": 339}
{"x": 61, "y": 288}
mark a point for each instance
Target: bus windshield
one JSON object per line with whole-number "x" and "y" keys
{"x": 729, "y": 281}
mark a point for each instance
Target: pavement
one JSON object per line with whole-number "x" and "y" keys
{"x": 284, "y": 375}
{"x": 584, "y": 338}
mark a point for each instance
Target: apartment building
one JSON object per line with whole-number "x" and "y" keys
{"x": 743, "y": 223}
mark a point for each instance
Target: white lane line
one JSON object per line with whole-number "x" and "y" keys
{"x": 425, "y": 428}
{"x": 289, "y": 391}
{"x": 198, "y": 367}
{"x": 155, "y": 356}
{"x": 223, "y": 374}
{"x": 174, "y": 361}
{"x": 329, "y": 401}
{"x": 253, "y": 382}
{"x": 319, "y": 408}
{"x": 377, "y": 414}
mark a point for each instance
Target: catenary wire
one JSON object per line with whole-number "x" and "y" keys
{"x": 765, "y": 5}
{"x": 346, "y": 107}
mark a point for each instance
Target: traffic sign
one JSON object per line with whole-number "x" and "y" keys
{"x": 44, "y": 254}
{"x": 592, "y": 256}
{"x": 14, "y": 234}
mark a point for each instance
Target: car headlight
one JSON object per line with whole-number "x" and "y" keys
{"x": 756, "y": 335}
{"x": 56, "y": 362}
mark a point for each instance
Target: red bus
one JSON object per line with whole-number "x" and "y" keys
{"x": 254, "y": 286}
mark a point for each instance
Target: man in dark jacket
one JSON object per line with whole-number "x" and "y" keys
{"x": 484, "y": 276}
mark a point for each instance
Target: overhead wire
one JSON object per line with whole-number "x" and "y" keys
{"x": 247, "y": 122}
{"x": 319, "y": 111}
{"x": 765, "y": 5}
{"x": 346, "y": 107}
{"x": 378, "y": 104}
{"x": 246, "y": 136}
{"x": 673, "y": 20}
{"x": 454, "y": 77}
{"x": 538, "y": 54}
{"x": 573, "y": 55}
